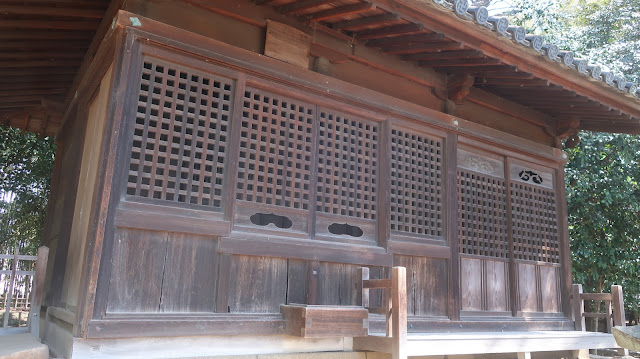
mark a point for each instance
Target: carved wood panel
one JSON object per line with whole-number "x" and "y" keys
{"x": 416, "y": 183}
{"x": 180, "y": 135}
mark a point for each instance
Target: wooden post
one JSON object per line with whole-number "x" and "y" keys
{"x": 9, "y": 298}
{"x": 578, "y": 307}
{"x": 399, "y": 312}
{"x": 609, "y": 317}
{"x": 617, "y": 304}
{"x": 36, "y": 291}
{"x": 363, "y": 274}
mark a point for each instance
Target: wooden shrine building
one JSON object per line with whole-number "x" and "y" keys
{"x": 220, "y": 160}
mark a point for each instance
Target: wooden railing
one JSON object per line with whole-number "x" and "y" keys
{"x": 613, "y": 307}
{"x": 394, "y": 307}
{"x": 22, "y": 302}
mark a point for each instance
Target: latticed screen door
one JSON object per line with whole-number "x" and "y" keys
{"x": 505, "y": 217}
{"x": 417, "y": 193}
{"x": 180, "y": 137}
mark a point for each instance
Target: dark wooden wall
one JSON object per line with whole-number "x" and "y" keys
{"x": 243, "y": 183}
{"x": 231, "y": 184}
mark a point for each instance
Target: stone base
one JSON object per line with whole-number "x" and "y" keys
{"x": 22, "y": 346}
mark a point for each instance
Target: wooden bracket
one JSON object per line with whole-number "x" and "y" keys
{"x": 567, "y": 128}
{"x": 457, "y": 90}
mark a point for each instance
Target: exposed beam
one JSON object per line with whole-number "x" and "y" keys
{"x": 365, "y": 21}
{"x": 494, "y": 45}
{"x": 299, "y": 6}
{"x": 34, "y": 55}
{"x": 405, "y": 40}
{"x": 511, "y": 82}
{"x": 459, "y": 62}
{"x": 41, "y": 45}
{"x": 511, "y": 108}
{"x": 446, "y": 55}
{"x": 31, "y": 92}
{"x": 502, "y": 75}
{"x": 51, "y": 11}
{"x": 39, "y": 63}
{"x": 34, "y": 85}
{"x": 340, "y": 11}
{"x": 60, "y": 80}
{"x": 15, "y": 35}
{"x": 49, "y": 24}
{"x": 414, "y": 51}
{"x": 36, "y": 71}
{"x": 387, "y": 31}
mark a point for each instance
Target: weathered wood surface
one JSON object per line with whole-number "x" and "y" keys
{"x": 287, "y": 44}
{"x": 320, "y": 321}
{"x": 252, "y": 272}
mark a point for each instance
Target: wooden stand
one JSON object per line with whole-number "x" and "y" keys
{"x": 325, "y": 321}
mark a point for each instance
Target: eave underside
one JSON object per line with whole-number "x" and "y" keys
{"x": 47, "y": 41}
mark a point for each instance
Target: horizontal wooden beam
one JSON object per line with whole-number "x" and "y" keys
{"x": 15, "y": 35}
{"x": 414, "y": 51}
{"x": 31, "y": 92}
{"x": 49, "y": 24}
{"x": 19, "y": 104}
{"x": 20, "y": 99}
{"x": 36, "y": 80}
{"x": 486, "y": 69}
{"x": 389, "y": 31}
{"x": 42, "y": 45}
{"x": 445, "y": 55}
{"x": 299, "y": 6}
{"x": 32, "y": 85}
{"x": 405, "y": 40}
{"x": 44, "y": 73}
{"x": 507, "y": 107}
{"x": 340, "y": 12}
{"x": 39, "y": 63}
{"x": 51, "y": 11}
{"x": 365, "y": 21}
{"x": 33, "y": 55}
{"x": 512, "y": 82}
{"x": 501, "y": 75}
{"x": 460, "y": 62}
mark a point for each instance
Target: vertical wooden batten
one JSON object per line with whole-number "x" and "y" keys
{"x": 451, "y": 207}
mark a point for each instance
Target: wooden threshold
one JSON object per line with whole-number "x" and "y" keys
{"x": 161, "y": 326}
{"x": 490, "y": 342}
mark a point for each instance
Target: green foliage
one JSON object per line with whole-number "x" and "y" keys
{"x": 26, "y": 164}
{"x": 603, "y": 193}
{"x": 602, "y": 31}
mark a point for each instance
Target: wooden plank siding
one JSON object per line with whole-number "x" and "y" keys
{"x": 240, "y": 183}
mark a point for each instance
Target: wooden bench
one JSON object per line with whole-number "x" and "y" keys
{"x": 400, "y": 344}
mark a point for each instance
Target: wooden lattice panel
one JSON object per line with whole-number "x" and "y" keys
{"x": 535, "y": 224}
{"x": 416, "y": 184}
{"x": 347, "y": 165}
{"x": 482, "y": 215}
{"x": 276, "y": 143}
{"x": 180, "y": 135}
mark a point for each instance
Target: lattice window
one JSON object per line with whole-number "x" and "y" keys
{"x": 535, "y": 226}
{"x": 180, "y": 135}
{"x": 416, "y": 183}
{"x": 347, "y": 165}
{"x": 276, "y": 143}
{"x": 482, "y": 214}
